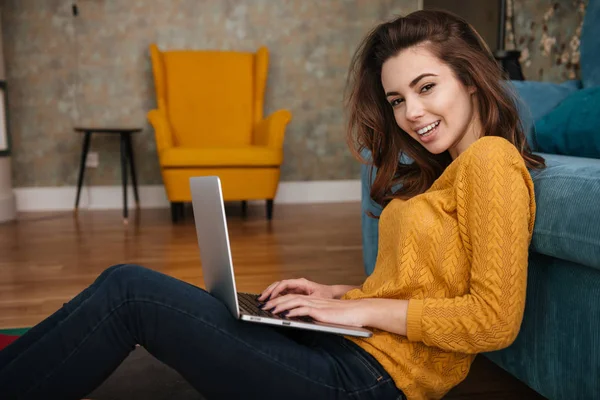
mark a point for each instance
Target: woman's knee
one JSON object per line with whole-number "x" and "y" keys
{"x": 130, "y": 278}
{"x": 121, "y": 273}
{"x": 119, "y": 267}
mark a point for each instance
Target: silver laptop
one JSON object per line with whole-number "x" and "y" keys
{"x": 217, "y": 266}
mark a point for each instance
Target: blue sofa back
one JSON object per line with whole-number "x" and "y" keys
{"x": 590, "y": 45}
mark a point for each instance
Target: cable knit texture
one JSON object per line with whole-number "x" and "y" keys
{"x": 458, "y": 253}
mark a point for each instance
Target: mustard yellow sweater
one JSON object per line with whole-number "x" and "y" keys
{"x": 458, "y": 253}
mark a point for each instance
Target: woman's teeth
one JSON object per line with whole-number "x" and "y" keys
{"x": 428, "y": 128}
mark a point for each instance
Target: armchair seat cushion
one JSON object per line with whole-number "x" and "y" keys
{"x": 240, "y": 156}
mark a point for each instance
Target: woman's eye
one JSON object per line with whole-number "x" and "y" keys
{"x": 395, "y": 102}
{"x": 427, "y": 87}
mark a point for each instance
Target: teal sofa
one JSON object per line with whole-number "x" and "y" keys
{"x": 557, "y": 352}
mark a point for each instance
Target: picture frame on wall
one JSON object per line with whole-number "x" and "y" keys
{"x": 4, "y": 136}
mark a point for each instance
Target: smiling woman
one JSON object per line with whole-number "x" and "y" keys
{"x": 451, "y": 270}
{"x": 433, "y": 88}
{"x": 435, "y": 108}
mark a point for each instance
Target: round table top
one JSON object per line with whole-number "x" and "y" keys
{"x": 106, "y": 129}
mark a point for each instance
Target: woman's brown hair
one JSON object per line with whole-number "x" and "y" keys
{"x": 372, "y": 125}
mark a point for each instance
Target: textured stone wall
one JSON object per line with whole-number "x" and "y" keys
{"x": 547, "y": 32}
{"x": 64, "y": 71}
{"x": 95, "y": 69}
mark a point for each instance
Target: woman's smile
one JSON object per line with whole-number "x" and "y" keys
{"x": 429, "y": 132}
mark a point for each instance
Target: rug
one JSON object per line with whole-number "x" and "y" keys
{"x": 5, "y": 340}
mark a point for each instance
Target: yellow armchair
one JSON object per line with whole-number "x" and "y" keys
{"x": 209, "y": 121}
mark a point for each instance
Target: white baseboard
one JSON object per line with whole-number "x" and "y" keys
{"x": 153, "y": 196}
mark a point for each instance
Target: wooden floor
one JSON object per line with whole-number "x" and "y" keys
{"x": 46, "y": 258}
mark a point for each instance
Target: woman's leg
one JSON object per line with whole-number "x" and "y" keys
{"x": 35, "y": 333}
{"x": 195, "y": 334}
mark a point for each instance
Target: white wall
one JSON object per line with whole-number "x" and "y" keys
{"x": 7, "y": 198}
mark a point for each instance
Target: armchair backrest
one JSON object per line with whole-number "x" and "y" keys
{"x": 210, "y": 98}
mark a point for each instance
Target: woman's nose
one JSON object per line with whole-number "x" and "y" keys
{"x": 414, "y": 110}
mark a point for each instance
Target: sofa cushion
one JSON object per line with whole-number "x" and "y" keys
{"x": 573, "y": 127}
{"x": 567, "y": 224}
{"x": 536, "y": 99}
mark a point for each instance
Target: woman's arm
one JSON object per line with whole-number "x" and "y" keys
{"x": 305, "y": 287}
{"x": 340, "y": 290}
{"x": 495, "y": 211}
{"x": 387, "y": 315}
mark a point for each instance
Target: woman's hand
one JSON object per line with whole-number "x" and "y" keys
{"x": 344, "y": 312}
{"x": 297, "y": 286}
{"x": 385, "y": 314}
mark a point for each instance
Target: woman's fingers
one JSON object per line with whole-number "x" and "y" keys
{"x": 286, "y": 303}
{"x": 305, "y": 311}
{"x": 277, "y": 288}
{"x": 287, "y": 285}
{"x": 267, "y": 292}
{"x": 290, "y": 301}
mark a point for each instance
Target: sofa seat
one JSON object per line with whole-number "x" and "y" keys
{"x": 240, "y": 156}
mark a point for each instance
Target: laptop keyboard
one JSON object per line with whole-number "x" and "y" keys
{"x": 249, "y": 304}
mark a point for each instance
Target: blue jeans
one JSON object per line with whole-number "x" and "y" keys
{"x": 73, "y": 351}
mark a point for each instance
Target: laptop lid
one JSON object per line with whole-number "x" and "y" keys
{"x": 213, "y": 240}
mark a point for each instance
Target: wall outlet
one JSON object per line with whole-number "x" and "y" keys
{"x": 92, "y": 160}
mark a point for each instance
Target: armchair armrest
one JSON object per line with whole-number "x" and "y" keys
{"x": 162, "y": 130}
{"x": 271, "y": 130}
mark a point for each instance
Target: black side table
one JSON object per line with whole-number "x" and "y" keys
{"x": 126, "y": 157}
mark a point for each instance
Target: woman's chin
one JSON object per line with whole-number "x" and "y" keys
{"x": 435, "y": 148}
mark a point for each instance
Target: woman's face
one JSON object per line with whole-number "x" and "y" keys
{"x": 429, "y": 102}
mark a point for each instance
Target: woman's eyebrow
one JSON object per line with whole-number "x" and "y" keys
{"x": 411, "y": 84}
{"x": 418, "y": 78}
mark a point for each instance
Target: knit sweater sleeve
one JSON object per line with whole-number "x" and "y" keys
{"x": 495, "y": 211}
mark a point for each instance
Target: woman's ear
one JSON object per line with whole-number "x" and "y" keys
{"x": 472, "y": 89}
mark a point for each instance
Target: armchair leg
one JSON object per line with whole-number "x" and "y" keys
{"x": 244, "y": 208}
{"x": 176, "y": 211}
{"x": 269, "y": 209}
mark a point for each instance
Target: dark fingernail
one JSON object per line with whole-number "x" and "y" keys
{"x": 261, "y": 305}
{"x": 285, "y": 313}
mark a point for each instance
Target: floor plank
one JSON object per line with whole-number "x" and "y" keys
{"x": 49, "y": 257}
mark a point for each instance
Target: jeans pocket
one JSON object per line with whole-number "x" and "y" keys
{"x": 377, "y": 382}
{"x": 371, "y": 364}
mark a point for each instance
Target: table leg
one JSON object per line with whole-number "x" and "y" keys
{"x": 269, "y": 209}
{"x": 84, "y": 152}
{"x": 124, "y": 175}
{"x": 133, "y": 175}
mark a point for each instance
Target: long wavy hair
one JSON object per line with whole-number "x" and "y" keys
{"x": 371, "y": 123}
